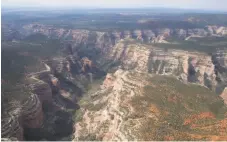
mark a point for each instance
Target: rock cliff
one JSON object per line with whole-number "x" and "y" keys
{"x": 124, "y": 108}
{"x": 149, "y": 35}
{"x": 18, "y": 115}
{"x": 224, "y": 95}
{"x": 195, "y": 67}
{"x": 132, "y": 105}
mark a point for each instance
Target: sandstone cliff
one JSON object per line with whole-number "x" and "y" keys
{"x": 155, "y": 35}
{"x": 132, "y": 105}
{"x": 224, "y": 95}
{"x": 114, "y": 111}
{"x": 187, "y": 66}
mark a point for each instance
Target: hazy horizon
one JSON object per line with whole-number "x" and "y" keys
{"x": 208, "y": 5}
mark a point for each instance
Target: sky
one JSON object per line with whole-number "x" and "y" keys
{"x": 220, "y": 5}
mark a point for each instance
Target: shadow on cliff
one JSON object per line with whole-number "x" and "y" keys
{"x": 58, "y": 124}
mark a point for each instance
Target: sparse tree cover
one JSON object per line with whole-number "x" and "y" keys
{"x": 114, "y": 75}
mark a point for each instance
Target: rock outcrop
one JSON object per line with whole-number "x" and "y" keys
{"x": 11, "y": 128}
{"x": 26, "y": 113}
{"x": 109, "y": 117}
{"x": 32, "y": 112}
{"x": 188, "y": 66}
{"x": 128, "y": 104}
{"x": 219, "y": 59}
{"x": 148, "y": 35}
{"x": 224, "y": 95}
{"x": 131, "y": 56}
{"x": 107, "y": 122}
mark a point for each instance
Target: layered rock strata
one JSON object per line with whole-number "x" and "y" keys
{"x": 148, "y": 35}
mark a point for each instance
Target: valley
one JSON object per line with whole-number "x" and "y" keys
{"x": 147, "y": 81}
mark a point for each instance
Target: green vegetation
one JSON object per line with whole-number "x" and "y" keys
{"x": 96, "y": 107}
{"x": 173, "y": 103}
{"x": 22, "y": 57}
{"x": 206, "y": 44}
{"x": 19, "y": 58}
{"x": 89, "y": 137}
{"x": 78, "y": 115}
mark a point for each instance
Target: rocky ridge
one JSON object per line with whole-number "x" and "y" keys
{"x": 149, "y": 35}
{"x": 195, "y": 67}
{"x": 107, "y": 122}
{"x": 124, "y": 109}
{"x": 187, "y": 66}
{"x": 113, "y": 113}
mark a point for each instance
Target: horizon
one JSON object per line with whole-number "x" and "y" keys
{"x": 201, "y": 5}
{"x": 164, "y": 9}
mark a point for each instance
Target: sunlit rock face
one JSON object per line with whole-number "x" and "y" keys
{"x": 132, "y": 57}
{"x": 116, "y": 127}
{"x": 211, "y": 29}
{"x": 105, "y": 40}
{"x": 224, "y": 95}
{"x": 221, "y": 31}
{"x": 118, "y": 47}
{"x": 193, "y": 67}
{"x": 108, "y": 82}
{"x": 123, "y": 106}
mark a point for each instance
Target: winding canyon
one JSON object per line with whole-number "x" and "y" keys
{"x": 112, "y": 80}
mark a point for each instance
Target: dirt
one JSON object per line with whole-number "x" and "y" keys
{"x": 194, "y": 118}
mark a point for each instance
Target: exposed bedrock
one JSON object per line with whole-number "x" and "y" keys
{"x": 70, "y": 75}
{"x": 32, "y": 112}
{"x": 97, "y": 38}
{"x": 11, "y": 128}
{"x": 224, "y": 95}
{"x": 188, "y": 66}
{"x": 219, "y": 59}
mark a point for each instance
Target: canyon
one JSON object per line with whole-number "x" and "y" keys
{"x": 127, "y": 104}
{"x": 146, "y": 35}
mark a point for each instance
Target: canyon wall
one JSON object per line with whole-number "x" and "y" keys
{"x": 149, "y": 35}
{"x": 195, "y": 67}
{"x": 48, "y": 94}
{"x": 134, "y": 105}
{"x": 67, "y": 77}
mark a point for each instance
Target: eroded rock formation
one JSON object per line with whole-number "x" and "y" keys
{"x": 32, "y": 112}
{"x": 157, "y": 35}
{"x": 11, "y": 128}
{"x": 130, "y": 103}
{"x": 224, "y": 95}
{"x": 188, "y": 66}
